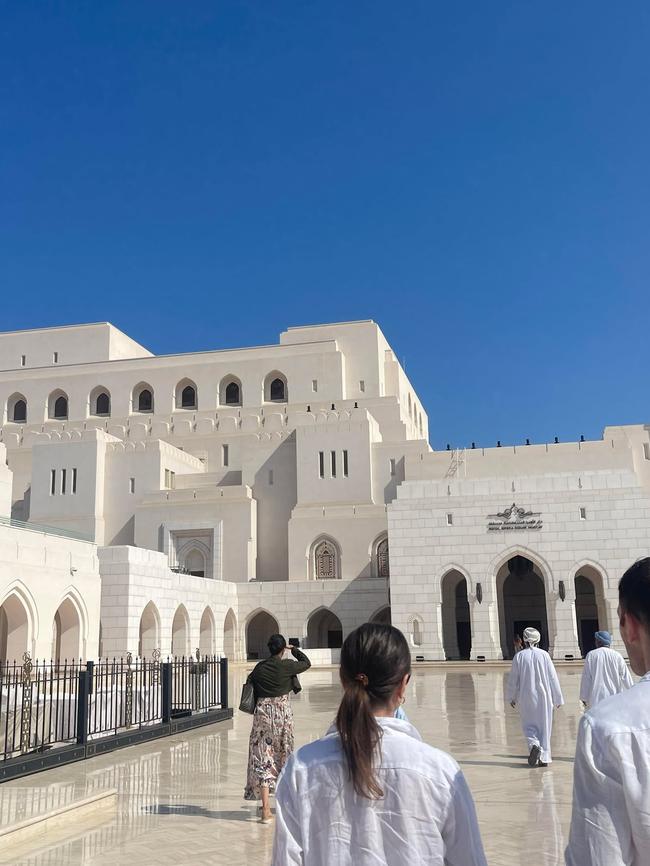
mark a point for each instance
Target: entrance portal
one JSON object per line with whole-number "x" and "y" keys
{"x": 456, "y": 624}
{"x": 522, "y": 602}
{"x": 590, "y": 607}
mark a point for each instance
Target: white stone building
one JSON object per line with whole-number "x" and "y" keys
{"x": 215, "y": 497}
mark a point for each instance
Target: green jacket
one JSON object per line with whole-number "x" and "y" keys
{"x": 272, "y": 677}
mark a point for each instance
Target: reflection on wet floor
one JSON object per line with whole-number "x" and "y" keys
{"x": 180, "y": 799}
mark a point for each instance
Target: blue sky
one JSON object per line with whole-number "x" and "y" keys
{"x": 475, "y": 177}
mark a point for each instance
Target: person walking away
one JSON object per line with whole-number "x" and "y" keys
{"x": 534, "y": 687}
{"x": 605, "y": 672}
{"x": 370, "y": 792}
{"x": 272, "y": 738}
{"x": 610, "y": 824}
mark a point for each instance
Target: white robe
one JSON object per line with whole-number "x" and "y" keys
{"x": 534, "y": 685}
{"x": 610, "y": 824}
{"x": 426, "y": 816}
{"x": 605, "y": 673}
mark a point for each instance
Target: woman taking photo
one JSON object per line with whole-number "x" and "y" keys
{"x": 370, "y": 791}
{"x": 271, "y": 740}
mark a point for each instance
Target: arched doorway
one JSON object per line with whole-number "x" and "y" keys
{"x": 230, "y": 636}
{"x": 181, "y": 633}
{"x": 522, "y": 602}
{"x": 456, "y": 621}
{"x": 206, "y": 633}
{"x": 67, "y": 633}
{"x": 324, "y": 630}
{"x": 14, "y": 630}
{"x": 259, "y": 629}
{"x": 382, "y": 616}
{"x": 149, "y": 631}
{"x": 590, "y": 607}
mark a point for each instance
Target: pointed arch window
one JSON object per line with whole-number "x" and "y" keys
{"x": 188, "y": 397}
{"x": 383, "y": 563}
{"x": 326, "y": 561}
{"x": 233, "y": 394}
{"x": 17, "y": 409}
{"x": 145, "y": 401}
{"x": 61, "y": 408}
{"x": 103, "y": 404}
{"x": 277, "y": 390}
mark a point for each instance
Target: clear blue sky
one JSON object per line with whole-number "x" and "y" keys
{"x": 473, "y": 176}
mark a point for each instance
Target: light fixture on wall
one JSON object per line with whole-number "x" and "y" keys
{"x": 479, "y": 593}
{"x": 561, "y": 589}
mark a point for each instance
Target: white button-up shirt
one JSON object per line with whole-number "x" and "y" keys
{"x": 610, "y": 825}
{"x": 605, "y": 673}
{"x": 426, "y": 815}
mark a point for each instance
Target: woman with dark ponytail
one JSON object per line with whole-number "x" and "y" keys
{"x": 370, "y": 791}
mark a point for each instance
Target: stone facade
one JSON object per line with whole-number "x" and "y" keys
{"x": 208, "y": 498}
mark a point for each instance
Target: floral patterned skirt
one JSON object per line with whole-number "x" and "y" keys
{"x": 270, "y": 745}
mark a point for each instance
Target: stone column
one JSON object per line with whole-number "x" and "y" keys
{"x": 434, "y": 645}
{"x": 562, "y": 624}
{"x": 486, "y": 641}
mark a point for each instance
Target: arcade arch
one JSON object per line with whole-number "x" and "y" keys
{"x": 230, "y": 636}
{"x": 206, "y": 633}
{"x": 456, "y": 619}
{"x": 66, "y": 633}
{"x": 324, "y": 630}
{"x": 590, "y": 608}
{"x": 259, "y": 629}
{"x": 181, "y": 632}
{"x": 149, "y": 631}
{"x": 15, "y": 629}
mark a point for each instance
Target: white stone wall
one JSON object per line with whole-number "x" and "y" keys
{"x": 38, "y": 573}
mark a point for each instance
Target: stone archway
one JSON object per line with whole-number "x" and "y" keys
{"x": 14, "y": 630}
{"x": 230, "y": 636}
{"x": 259, "y": 629}
{"x": 206, "y": 633}
{"x": 181, "y": 632}
{"x": 324, "y": 630}
{"x": 382, "y": 616}
{"x": 522, "y": 601}
{"x": 66, "y": 633}
{"x": 149, "y": 637}
{"x": 590, "y": 609}
{"x": 456, "y": 618}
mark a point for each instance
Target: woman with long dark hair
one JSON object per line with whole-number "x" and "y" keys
{"x": 271, "y": 739}
{"x": 370, "y": 791}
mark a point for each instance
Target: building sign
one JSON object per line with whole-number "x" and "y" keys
{"x": 514, "y": 518}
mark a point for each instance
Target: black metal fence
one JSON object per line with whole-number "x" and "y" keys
{"x": 46, "y": 706}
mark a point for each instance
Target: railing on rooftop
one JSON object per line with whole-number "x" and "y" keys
{"x": 47, "y": 530}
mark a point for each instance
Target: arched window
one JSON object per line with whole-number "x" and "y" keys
{"x": 326, "y": 561}
{"x": 233, "y": 394}
{"x": 142, "y": 398}
{"x": 277, "y": 390}
{"x": 20, "y": 411}
{"x": 383, "y": 565}
{"x": 186, "y": 395}
{"x": 61, "y": 407}
{"x": 103, "y": 404}
{"x": 145, "y": 401}
{"x": 17, "y": 409}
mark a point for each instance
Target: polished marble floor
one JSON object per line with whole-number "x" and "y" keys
{"x": 180, "y": 799}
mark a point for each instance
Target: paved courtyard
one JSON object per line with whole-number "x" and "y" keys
{"x": 180, "y": 800}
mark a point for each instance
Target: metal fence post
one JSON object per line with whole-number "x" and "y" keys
{"x": 90, "y": 667}
{"x": 83, "y": 698}
{"x": 129, "y": 690}
{"x": 224, "y": 682}
{"x": 166, "y": 692}
{"x": 26, "y": 707}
